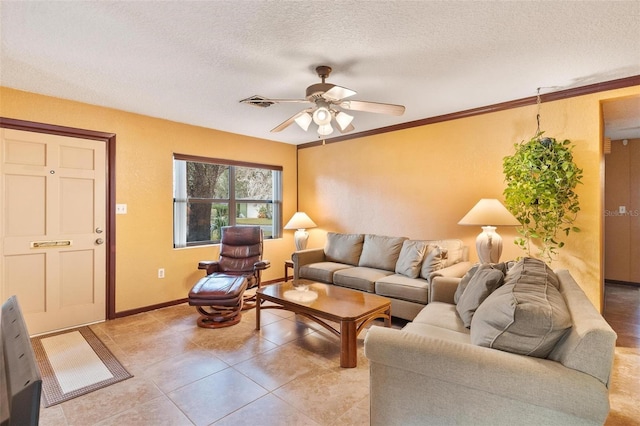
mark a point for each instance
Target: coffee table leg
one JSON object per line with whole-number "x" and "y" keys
{"x": 348, "y": 344}
{"x": 387, "y": 320}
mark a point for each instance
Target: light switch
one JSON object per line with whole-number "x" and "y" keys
{"x": 622, "y": 209}
{"x": 121, "y": 209}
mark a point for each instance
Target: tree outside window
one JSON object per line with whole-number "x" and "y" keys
{"x": 211, "y": 193}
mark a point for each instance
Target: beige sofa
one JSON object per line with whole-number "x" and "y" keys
{"x": 394, "y": 267}
{"x": 437, "y": 371}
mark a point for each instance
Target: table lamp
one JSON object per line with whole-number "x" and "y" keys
{"x": 300, "y": 221}
{"x": 489, "y": 213}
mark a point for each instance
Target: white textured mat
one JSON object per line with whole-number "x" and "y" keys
{"x": 74, "y": 363}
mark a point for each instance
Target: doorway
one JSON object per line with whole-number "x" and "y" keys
{"x": 622, "y": 190}
{"x": 57, "y": 230}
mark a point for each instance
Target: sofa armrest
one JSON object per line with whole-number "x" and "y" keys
{"x": 456, "y": 270}
{"x": 425, "y": 365}
{"x": 443, "y": 289}
{"x": 306, "y": 257}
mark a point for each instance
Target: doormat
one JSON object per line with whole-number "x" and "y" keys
{"x": 73, "y": 363}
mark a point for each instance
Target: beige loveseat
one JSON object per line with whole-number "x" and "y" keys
{"x": 437, "y": 371}
{"x": 395, "y": 267}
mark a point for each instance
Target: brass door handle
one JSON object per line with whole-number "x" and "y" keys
{"x": 99, "y": 241}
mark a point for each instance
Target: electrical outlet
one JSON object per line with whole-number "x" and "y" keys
{"x": 121, "y": 209}
{"x": 161, "y": 273}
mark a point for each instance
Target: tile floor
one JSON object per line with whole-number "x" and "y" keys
{"x": 286, "y": 374}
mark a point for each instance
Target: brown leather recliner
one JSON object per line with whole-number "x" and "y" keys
{"x": 241, "y": 249}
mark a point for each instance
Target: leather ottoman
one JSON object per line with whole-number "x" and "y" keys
{"x": 218, "y": 299}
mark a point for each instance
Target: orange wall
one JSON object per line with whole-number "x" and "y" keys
{"x": 419, "y": 182}
{"x": 622, "y": 242}
{"x": 144, "y": 181}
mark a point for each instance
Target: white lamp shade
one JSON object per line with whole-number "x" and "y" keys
{"x": 304, "y": 120}
{"x": 489, "y": 211}
{"x": 344, "y": 119}
{"x": 300, "y": 220}
{"x": 322, "y": 116}
{"x": 325, "y": 130}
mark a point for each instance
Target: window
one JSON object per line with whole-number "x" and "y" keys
{"x": 211, "y": 193}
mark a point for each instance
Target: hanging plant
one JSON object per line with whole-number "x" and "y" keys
{"x": 541, "y": 178}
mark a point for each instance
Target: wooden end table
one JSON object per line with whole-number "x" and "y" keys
{"x": 352, "y": 309}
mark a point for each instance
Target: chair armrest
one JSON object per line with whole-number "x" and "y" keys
{"x": 456, "y": 270}
{"x": 262, "y": 265}
{"x": 471, "y": 369}
{"x": 210, "y": 266}
{"x": 306, "y": 257}
{"x": 443, "y": 289}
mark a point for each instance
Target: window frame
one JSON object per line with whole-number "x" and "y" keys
{"x": 180, "y": 204}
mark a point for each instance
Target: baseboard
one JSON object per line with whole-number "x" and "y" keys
{"x": 606, "y": 281}
{"x": 173, "y": 303}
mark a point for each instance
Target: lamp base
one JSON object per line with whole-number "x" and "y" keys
{"x": 489, "y": 245}
{"x": 300, "y": 238}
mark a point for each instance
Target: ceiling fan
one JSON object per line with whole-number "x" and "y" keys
{"x": 328, "y": 102}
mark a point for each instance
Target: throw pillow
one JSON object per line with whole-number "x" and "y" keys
{"x": 484, "y": 282}
{"x": 343, "y": 248}
{"x": 527, "y": 315}
{"x": 381, "y": 252}
{"x": 411, "y": 256}
{"x": 464, "y": 282}
{"x": 433, "y": 260}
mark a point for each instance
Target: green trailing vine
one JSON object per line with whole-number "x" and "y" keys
{"x": 541, "y": 178}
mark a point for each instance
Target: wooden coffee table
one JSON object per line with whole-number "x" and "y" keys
{"x": 352, "y": 309}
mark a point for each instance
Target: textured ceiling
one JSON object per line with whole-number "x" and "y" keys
{"x": 193, "y": 61}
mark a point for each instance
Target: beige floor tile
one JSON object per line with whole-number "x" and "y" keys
{"x": 183, "y": 369}
{"x": 216, "y": 396}
{"x": 284, "y": 331}
{"x": 106, "y": 402}
{"x": 326, "y": 395}
{"x": 281, "y": 365}
{"x": 266, "y": 411}
{"x": 158, "y": 412}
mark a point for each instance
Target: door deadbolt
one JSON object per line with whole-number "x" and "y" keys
{"x": 98, "y": 230}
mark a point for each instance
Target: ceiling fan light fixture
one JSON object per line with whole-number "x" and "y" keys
{"x": 325, "y": 129}
{"x": 322, "y": 115}
{"x": 303, "y": 120}
{"x": 343, "y": 119}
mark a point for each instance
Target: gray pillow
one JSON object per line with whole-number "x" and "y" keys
{"x": 527, "y": 315}
{"x": 434, "y": 259}
{"x": 464, "y": 282}
{"x": 381, "y": 252}
{"x": 411, "y": 256}
{"x": 484, "y": 282}
{"x": 343, "y": 248}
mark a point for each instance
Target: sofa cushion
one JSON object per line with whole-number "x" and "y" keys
{"x": 359, "y": 278}
{"x": 484, "y": 282}
{"x": 455, "y": 250}
{"x": 380, "y": 252}
{"x": 442, "y": 315}
{"x": 434, "y": 260}
{"x": 402, "y": 287}
{"x": 410, "y": 259}
{"x": 321, "y": 271}
{"x": 343, "y": 248}
{"x": 527, "y": 315}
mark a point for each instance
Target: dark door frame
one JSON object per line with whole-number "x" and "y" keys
{"x": 110, "y": 140}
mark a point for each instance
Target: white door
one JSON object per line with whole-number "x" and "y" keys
{"x": 52, "y": 230}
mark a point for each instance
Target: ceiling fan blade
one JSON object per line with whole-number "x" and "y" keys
{"x": 280, "y": 127}
{"x": 337, "y": 93}
{"x": 347, "y": 129}
{"x": 376, "y": 107}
